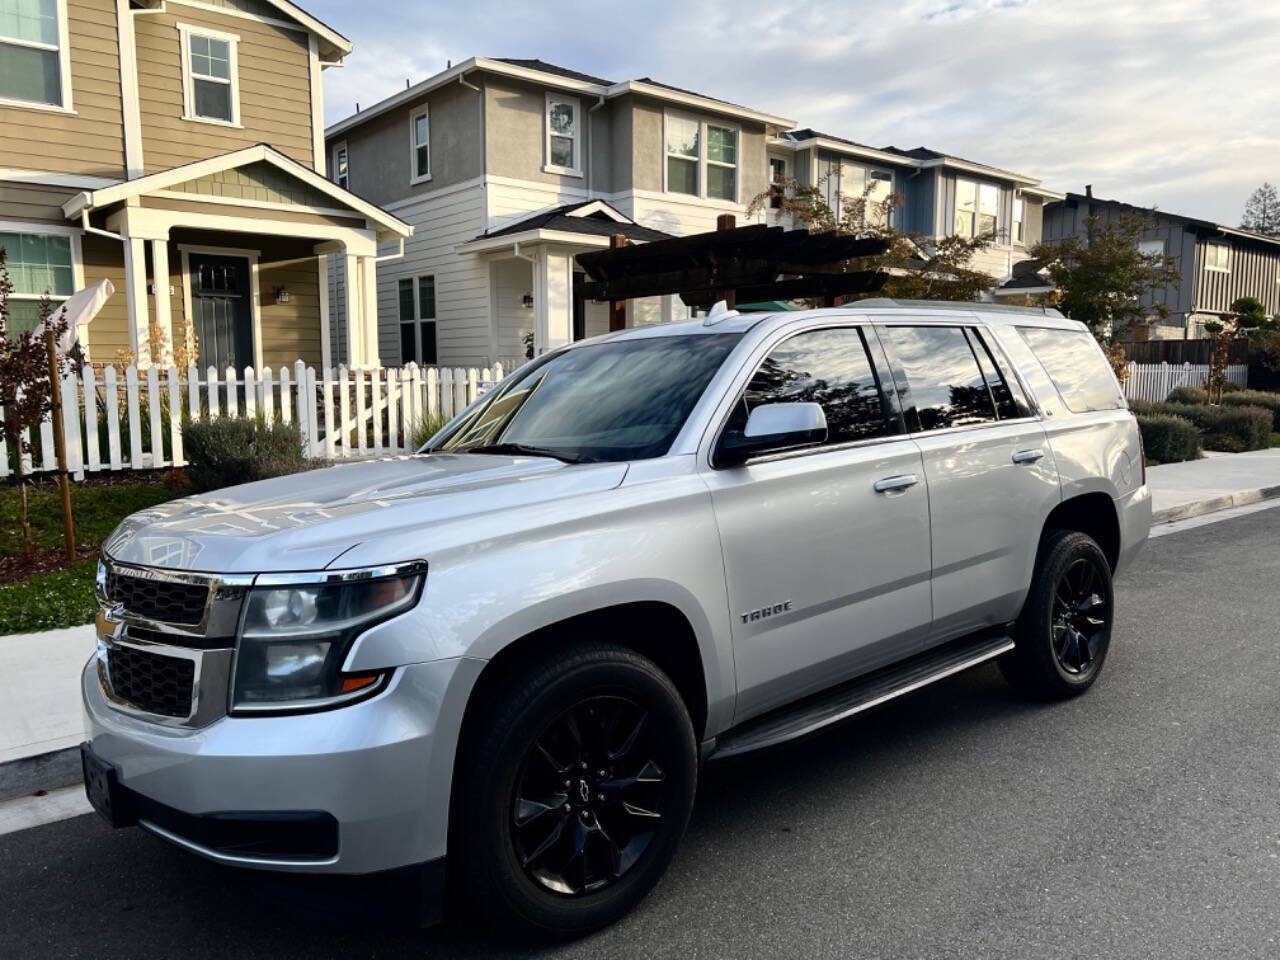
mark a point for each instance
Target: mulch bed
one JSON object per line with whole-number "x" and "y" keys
{"x": 23, "y": 567}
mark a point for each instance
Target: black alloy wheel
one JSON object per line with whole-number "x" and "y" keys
{"x": 1081, "y": 616}
{"x": 589, "y": 797}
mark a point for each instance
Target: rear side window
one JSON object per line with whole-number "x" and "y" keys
{"x": 1077, "y": 368}
{"x": 944, "y": 386}
{"x": 827, "y": 367}
{"x": 1011, "y": 403}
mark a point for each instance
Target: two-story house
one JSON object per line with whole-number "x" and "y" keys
{"x": 509, "y": 168}
{"x": 175, "y": 147}
{"x": 1219, "y": 264}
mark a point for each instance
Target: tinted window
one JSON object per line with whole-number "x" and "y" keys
{"x": 1011, "y": 403}
{"x": 618, "y": 400}
{"x": 944, "y": 384}
{"x": 827, "y": 367}
{"x": 1077, "y": 368}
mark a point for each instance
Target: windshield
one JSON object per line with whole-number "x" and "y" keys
{"x": 616, "y": 400}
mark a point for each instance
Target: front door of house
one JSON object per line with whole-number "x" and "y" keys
{"x": 222, "y": 313}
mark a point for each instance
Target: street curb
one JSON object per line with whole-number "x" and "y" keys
{"x": 1198, "y": 508}
{"x": 46, "y": 771}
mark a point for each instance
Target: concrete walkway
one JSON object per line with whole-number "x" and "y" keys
{"x": 1180, "y": 490}
{"x": 40, "y": 673}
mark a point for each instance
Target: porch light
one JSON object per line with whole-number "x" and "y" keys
{"x": 527, "y": 300}
{"x": 282, "y": 294}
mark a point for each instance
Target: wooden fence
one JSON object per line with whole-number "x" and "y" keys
{"x": 133, "y": 421}
{"x": 1153, "y": 381}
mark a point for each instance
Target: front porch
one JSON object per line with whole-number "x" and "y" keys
{"x": 225, "y": 263}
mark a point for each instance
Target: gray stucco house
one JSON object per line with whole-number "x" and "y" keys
{"x": 507, "y": 169}
{"x": 1219, "y": 264}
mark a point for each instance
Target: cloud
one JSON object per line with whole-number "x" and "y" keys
{"x": 1168, "y": 104}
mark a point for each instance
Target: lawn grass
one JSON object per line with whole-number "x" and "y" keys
{"x": 63, "y": 598}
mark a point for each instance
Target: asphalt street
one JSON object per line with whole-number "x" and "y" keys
{"x": 1142, "y": 820}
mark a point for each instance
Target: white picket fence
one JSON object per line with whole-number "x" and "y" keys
{"x": 134, "y": 421}
{"x": 1153, "y": 381}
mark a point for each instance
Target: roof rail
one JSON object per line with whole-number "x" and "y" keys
{"x": 966, "y": 306}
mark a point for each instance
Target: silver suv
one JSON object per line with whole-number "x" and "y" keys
{"x": 634, "y": 555}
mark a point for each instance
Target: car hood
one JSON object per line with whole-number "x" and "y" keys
{"x": 306, "y": 521}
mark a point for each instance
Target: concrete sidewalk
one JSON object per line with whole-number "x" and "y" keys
{"x": 1181, "y": 490}
{"x": 40, "y": 673}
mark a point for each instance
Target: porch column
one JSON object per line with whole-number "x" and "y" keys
{"x": 135, "y": 287}
{"x": 326, "y": 347}
{"x": 552, "y": 301}
{"x": 160, "y": 278}
{"x": 354, "y": 300}
{"x": 369, "y": 288}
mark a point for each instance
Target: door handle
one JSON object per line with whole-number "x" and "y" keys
{"x": 1027, "y": 456}
{"x": 892, "y": 484}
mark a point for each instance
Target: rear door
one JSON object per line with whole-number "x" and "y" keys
{"x": 827, "y": 566}
{"x": 990, "y": 472}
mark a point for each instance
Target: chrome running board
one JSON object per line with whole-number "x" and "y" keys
{"x": 831, "y": 706}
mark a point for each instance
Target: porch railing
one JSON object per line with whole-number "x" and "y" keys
{"x": 132, "y": 420}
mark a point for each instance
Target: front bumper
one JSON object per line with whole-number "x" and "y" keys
{"x": 381, "y": 768}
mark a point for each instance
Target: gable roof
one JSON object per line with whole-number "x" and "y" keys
{"x": 553, "y": 75}
{"x": 314, "y": 24}
{"x": 1205, "y": 226}
{"x": 591, "y": 217}
{"x": 259, "y": 153}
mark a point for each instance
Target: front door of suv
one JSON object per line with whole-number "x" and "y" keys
{"x": 991, "y": 475}
{"x": 827, "y": 575}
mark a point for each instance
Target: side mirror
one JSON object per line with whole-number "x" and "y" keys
{"x": 772, "y": 428}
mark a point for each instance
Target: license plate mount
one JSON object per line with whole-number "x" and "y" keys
{"x": 102, "y": 787}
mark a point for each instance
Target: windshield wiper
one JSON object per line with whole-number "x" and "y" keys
{"x": 520, "y": 449}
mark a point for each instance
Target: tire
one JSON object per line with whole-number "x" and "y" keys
{"x": 632, "y": 728}
{"x": 1064, "y": 631}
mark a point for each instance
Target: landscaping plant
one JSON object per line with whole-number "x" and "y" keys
{"x": 1227, "y": 428}
{"x": 1168, "y": 439}
{"x": 225, "y": 451}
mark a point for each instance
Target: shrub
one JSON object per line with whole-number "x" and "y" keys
{"x": 1230, "y": 387}
{"x": 425, "y": 429}
{"x": 1230, "y": 429}
{"x": 226, "y": 451}
{"x": 1187, "y": 395}
{"x": 1169, "y": 439}
{"x": 1256, "y": 398}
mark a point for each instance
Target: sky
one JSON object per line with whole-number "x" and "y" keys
{"x": 1173, "y": 104}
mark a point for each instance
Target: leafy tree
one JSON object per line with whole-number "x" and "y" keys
{"x": 919, "y": 267}
{"x": 1103, "y": 276}
{"x": 26, "y": 389}
{"x": 1262, "y": 211}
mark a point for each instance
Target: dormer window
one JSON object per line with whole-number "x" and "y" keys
{"x": 563, "y": 143}
{"x": 210, "y": 85}
{"x": 34, "y": 68}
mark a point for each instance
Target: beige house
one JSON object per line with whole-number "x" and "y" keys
{"x": 176, "y": 147}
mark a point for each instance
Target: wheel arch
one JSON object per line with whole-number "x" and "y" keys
{"x": 1094, "y": 514}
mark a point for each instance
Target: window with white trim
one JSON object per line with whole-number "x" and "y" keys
{"x": 33, "y": 57}
{"x": 977, "y": 208}
{"x": 38, "y": 264}
{"x": 340, "y": 172}
{"x": 563, "y": 147}
{"x": 420, "y": 143}
{"x": 1016, "y": 232}
{"x": 722, "y": 163}
{"x": 683, "y": 149}
{"x": 1217, "y": 256}
{"x": 1151, "y": 248}
{"x": 211, "y": 90}
{"x": 418, "y": 327}
{"x": 844, "y": 183}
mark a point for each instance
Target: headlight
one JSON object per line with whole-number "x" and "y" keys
{"x": 297, "y": 630}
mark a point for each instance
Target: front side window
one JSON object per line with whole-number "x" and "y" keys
{"x": 682, "y": 155}
{"x": 420, "y": 141}
{"x": 618, "y": 400}
{"x": 38, "y": 264}
{"x": 940, "y": 382}
{"x": 562, "y": 135}
{"x": 830, "y": 368}
{"x": 32, "y": 68}
{"x": 210, "y": 82}
{"x": 1077, "y": 368}
{"x": 340, "y": 176}
{"x": 1217, "y": 256}
{"x": 722, "y": 163}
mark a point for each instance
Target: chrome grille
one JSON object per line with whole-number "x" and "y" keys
{"x": 152, "y": 682}
{"x": 165, "y": 601}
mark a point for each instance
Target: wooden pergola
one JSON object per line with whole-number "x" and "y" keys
{"x": 733, "y": 264}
